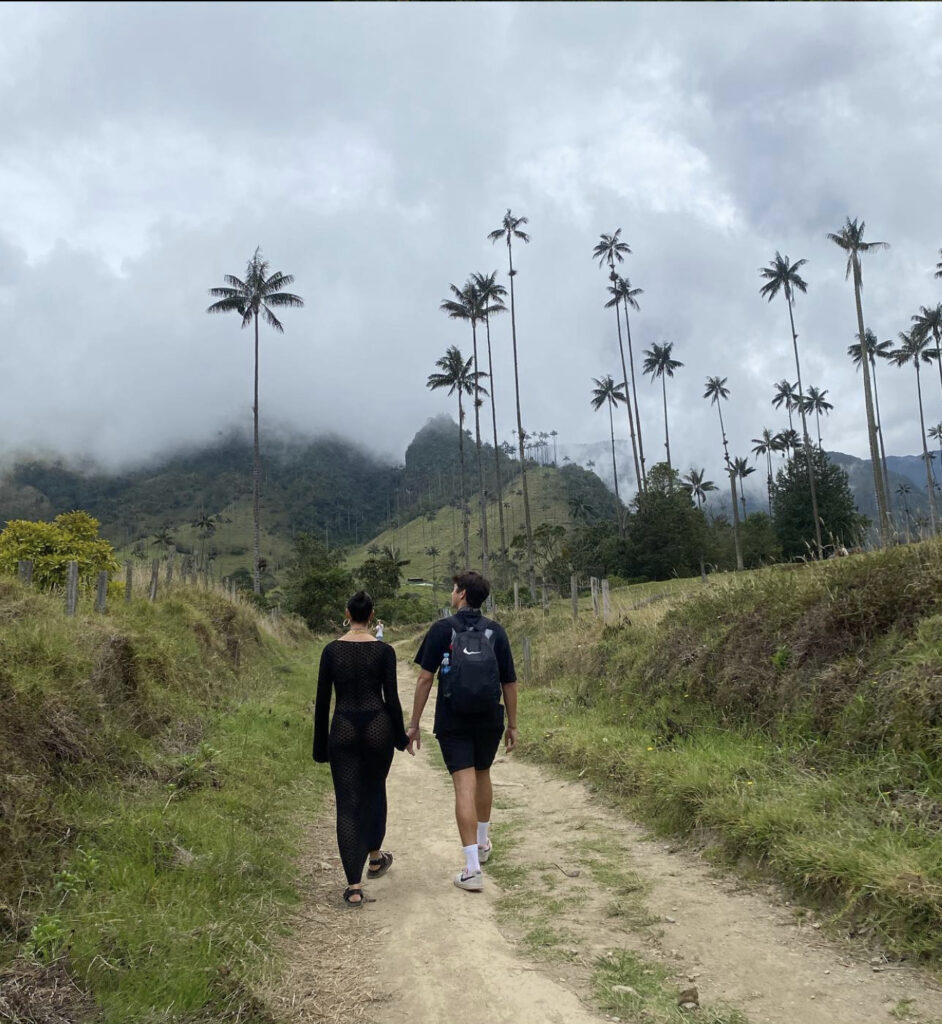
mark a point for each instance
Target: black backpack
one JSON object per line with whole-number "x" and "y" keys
{"x": 472, "y": 681}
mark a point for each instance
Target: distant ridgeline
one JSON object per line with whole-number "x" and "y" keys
{"x": 327, "y": 486}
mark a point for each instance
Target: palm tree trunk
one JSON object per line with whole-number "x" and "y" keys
{"x": 624, "y": 373}
{"x": 634, "y": 392}
{"x": 742, "y": 498}
{"x": 531, "y": 572}
{"x": 938, "y": 351}
{"x": 667, "y": 436}
{"x": 768, "y": 459}
{"x": 886, "y": 473}
{"x": 477, "y": 446}
{"x": 925, "y": 451}
{"x": 804, "y": 434}
{"x": 732, "y": 487}
{"x": 611, "y": 427}
{"x": 871, "y": 424}
{"x": 256, "y": 482}
{"x": 464, "y": 507}
{"x": 500, "y": 488}
{"x": 817, "y": 416}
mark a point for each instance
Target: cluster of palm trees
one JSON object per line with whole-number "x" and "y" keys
{"x": 920, "y": 345}
{"x": 477, "y": 301}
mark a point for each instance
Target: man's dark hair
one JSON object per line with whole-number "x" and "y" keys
{"x": 360, "y": 607}
{"x": 475, "y": 587}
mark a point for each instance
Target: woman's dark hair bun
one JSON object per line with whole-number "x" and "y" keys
{"x": 360, "y": 607}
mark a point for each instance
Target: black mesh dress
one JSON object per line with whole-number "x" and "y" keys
{"x": 366, "y": 726}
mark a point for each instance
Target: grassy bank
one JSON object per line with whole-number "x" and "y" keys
{"x": 156, "y": 773}
{"x": 790, "y": 718}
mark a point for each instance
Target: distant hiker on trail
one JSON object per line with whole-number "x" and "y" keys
{"x": 367, "y": 724}
{"x": 379, "y": 629}
{"x": 472, "y": 656}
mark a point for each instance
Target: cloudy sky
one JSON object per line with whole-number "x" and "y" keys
{"x": 369, "y": 148}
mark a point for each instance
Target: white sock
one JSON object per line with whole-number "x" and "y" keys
{"x": 483, "y": 827}
{"x": 471, "y": 859}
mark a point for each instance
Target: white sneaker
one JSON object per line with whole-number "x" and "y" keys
{"x": 473, "y": 882}
{"x": 484, "y": 852}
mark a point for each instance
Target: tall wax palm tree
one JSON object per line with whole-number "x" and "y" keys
{"x": 467, "y": 304}
{"x": 902, "y": 492}
{"x": 781, "y": 275}
{"x": 621, "y": 291}
{"x": 815, "y": 401}
{"x": 914, "y": 348}
{"x": 883, "y": 350}
{"x": 936, "y": 434}
{"x": 765, "y": 444}
{"x": 492, "y": 296}
{"x": 256, "y": 296}
{"x": 433, "y": 553}
{"x": 851, "y": 239}
{"x": 510, "y": 229}
{"x": 456, "y": 375}
{"x": 607, "y": 392}
{"x": 610, "y": 249}
{"x": 786, "y": 394}
{"x": 787, "y": 441}
{"x": 658, "y": 362}
{"x": 717, "y": 391}
{"x": 699, "y": 486}
{"x": 929, "y": 321}
{"x": 742, "y": 469}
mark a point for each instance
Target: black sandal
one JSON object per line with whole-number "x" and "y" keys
{"x": 348, "y": 895}
{"x": 383, "y": 862}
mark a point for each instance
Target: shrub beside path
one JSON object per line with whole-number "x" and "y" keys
{"x": 583, "y": 919}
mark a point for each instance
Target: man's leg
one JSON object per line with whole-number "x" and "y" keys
{"x": 483, "y": 795}
{"x": 465, "y": 783}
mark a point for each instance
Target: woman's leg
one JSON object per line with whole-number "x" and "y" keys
{"x": 347, "y": 771}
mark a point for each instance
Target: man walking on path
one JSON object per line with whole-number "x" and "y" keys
{"x": 472, "y": 655}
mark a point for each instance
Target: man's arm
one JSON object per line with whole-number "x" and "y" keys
{"x": 510, "y": 705}
{"x": 423, "y": 688}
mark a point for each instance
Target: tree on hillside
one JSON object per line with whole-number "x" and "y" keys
{"x": 902, "y": 492}
{"x": 928, "y": 321}
{"x": 695, "y": 481}
{"x": 610, "y": 249}
{"x": 786, "y": 394}
{"x": 936, "y": 434}
{"x": 468, "y": 304}
{"x": 765, "y": 444}
{"x": 456, "y": 375}
{"x": 433, "y": 553}
{"x": 258, "y": 294}
{"x": 717, "y": 391}
{"x": 607, "y": 392}
{"x": 914, "y": 348}
{"x": 510, "y": 229}
{"x": 875, "y": 350}
{"x": 658, "y": 362}
{"x": 742, "y": 469}
{"x": 317, "y": 585}
{"x": 851, "y": 239}
{"x": 815, "y": 401}
{"x": 791, "y": 505}
{"x": 781, "y": 275}
{"x": 492, "y": 297}
{"x": 666, "y": 535}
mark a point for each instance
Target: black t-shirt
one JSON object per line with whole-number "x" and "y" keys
{"x": 438, "y": 640}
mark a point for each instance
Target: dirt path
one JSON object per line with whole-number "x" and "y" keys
{"x": 571, "y": 886}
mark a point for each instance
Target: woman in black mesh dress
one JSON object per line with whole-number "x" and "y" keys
{"x": 366, "y": 726}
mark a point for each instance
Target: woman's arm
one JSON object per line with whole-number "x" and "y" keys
{"x": 322, "y": 707}
{"x": 391, "y": 697}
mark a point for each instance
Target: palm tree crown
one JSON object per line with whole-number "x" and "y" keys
{"x": 621, "y": 291}
{"x": 510, "y": 229}
{"x": 850, "y": 239}
{"x": 784, "y": 276}
{"x": 456, "y": 374}
{"x": 606, "y": 390}
{"x": 699, "y": 485}
{"x": 658, "y": 361}
{"x": 611, "y": 250}
{"x": 874, "y": 348}
{"x": 256, "y": 294}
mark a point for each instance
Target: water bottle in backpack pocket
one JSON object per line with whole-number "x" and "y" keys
{"x": 470, "y": 675}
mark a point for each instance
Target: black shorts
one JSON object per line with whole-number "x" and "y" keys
{"x": 471, "y": 746}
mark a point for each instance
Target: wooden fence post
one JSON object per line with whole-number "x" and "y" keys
{"x": 516, "y": 596}
{"x": 170, "y": 557}
{"x": 24, "y": 569}
{"x": 71, "y": 589}
{"x": 544, "y": 598}
{"x": 606, "y": 603}
{"x": 594, "y": 586}
{"x": 101, "y": 595}
{"x": 574, "y": 590}
{"x": 128, "y": 582}
{"x": 154, "y": 579}
{"x": 527, "y": 663}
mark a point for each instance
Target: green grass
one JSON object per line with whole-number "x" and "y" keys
{"x": 822, "y": 766}
{"x": 154, "y": 839}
